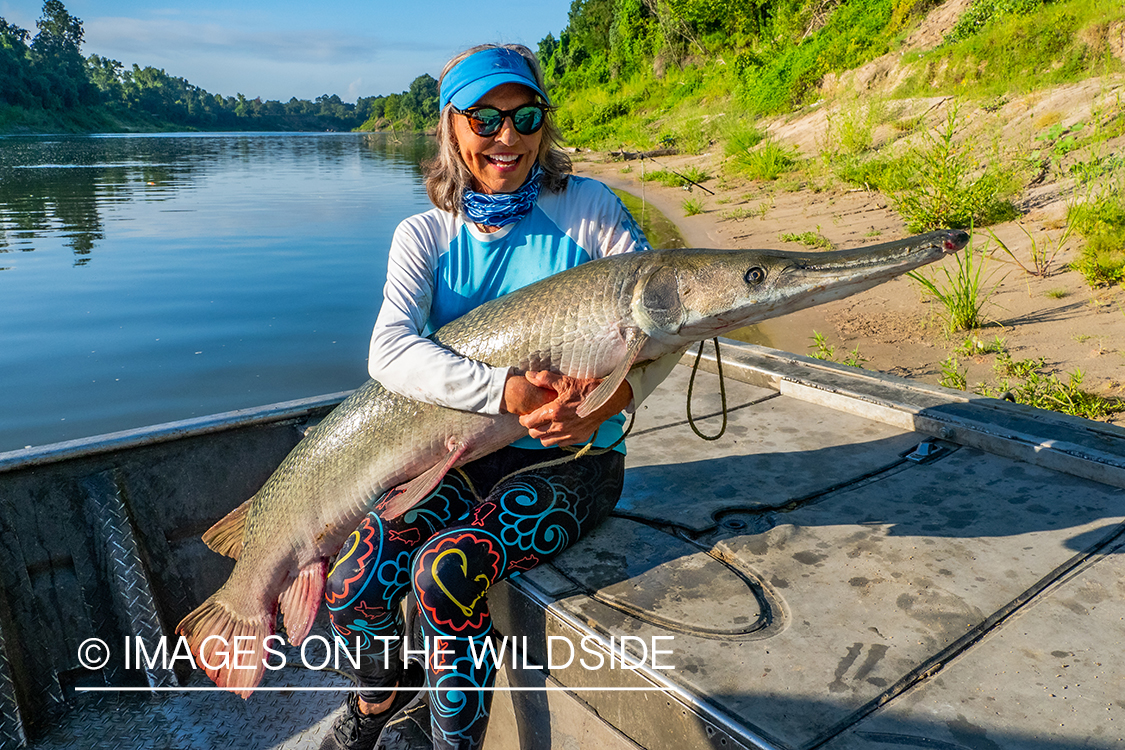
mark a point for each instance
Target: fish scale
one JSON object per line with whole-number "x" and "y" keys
{"x": 597, "y": 320}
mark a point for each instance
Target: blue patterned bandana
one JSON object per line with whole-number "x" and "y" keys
{"x": 502, "y": 209}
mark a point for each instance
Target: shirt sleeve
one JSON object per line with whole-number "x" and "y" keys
{"x": 614, "y": 228}
{"x": 406, "y": 362}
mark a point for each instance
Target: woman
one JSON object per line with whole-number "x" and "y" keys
{"x": 508, "y": 213}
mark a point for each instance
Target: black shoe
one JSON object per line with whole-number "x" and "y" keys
{"x": 409, "y": 729}
{"x": 355, "y": 730}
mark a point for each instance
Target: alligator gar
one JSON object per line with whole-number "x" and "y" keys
{"x": 595, "y": 321}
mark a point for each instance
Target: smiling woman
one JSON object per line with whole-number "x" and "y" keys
{"x": 508, "y": 214}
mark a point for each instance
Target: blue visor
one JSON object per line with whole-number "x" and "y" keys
{"x": 480, "y": 72}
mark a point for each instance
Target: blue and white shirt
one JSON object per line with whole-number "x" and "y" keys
{"x": 441, "y": 266}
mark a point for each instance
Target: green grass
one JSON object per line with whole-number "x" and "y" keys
{"x": 1100, "y": 219}
{"x": 738, "y": 214}
{"x": 664, "y": 177}
{"x": 1014, "y": 53}
{"x": 808, "y": 239}
{"x": 671, "y": 178}
{"x": 851, "y": 129}
{"x": 695, "y": 174}
{"x": 883, "y": 172}
{"x": 1024, "y": 382}
{"x": 768, "y": 161}
{"x": 692, "y": 206}
{"x": 1102, "y": 260}
{"x": 962, "y": 294}
{"x": 741, "y": 137}
{"x": 1041, "y": 254}
{"x": 973, "y": 346}
{"x": 823, "y": 351}
{"x": 953, "y": 375}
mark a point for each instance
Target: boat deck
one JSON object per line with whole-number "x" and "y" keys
{"x": 859, "y": 563}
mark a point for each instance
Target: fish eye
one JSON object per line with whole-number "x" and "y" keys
{"x": 756, "y": 275}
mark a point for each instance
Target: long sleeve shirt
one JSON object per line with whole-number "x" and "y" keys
{"x": 441, "y": 266}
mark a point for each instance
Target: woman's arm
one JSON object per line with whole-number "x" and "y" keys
{"x": 403, "y": 360}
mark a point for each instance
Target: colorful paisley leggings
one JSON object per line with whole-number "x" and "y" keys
{"x": 450, "y": 548}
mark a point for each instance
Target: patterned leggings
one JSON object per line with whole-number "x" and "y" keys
{"x": 451, "y": 548}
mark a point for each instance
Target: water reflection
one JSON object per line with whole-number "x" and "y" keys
{"x": 62, "y": 186}
{"x": 157, "y": 277}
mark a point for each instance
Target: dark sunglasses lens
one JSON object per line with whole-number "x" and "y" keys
{"x": 528, "y": 120}
{"x": 486, "y": 121}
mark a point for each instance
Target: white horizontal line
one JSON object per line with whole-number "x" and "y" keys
{"x": 210, "y": 689}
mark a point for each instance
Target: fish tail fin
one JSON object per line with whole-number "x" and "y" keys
{"x": 225, "y": 537}
{"x": 229, "y": 647}
{"x": 300, "y": 601}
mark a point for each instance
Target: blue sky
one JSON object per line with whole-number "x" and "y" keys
{"x": 278, "y": 49}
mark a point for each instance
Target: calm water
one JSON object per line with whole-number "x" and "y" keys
{"x": 145, "y": 279}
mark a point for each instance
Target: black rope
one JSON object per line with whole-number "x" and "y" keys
{"x": 722, "y": 392}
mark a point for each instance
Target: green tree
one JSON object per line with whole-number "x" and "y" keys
{"x": 57, "y": 58}
{"x": 15, "y": 65}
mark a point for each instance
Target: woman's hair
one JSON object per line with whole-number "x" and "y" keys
{"x": 447, "y": 176}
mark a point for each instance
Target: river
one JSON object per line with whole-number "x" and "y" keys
{"x": 150, "y": 278}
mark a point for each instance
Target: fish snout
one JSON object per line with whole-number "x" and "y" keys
{"x": 955, "y": 240}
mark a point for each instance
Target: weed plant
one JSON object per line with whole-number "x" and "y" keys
{"x": 664, "y": 177}
{"x": 822, "y": 350}
{"x": 963, "y": 294}
{"x": 946, "y": 195}
{"x": 953, "y": 375}
{"x": 974, "y": 346}
{"x": 1100, "y": 219}
{"x": 768, "y": 161}
{"x": 1041, "y": 257}
{"x": 692, "y": 206}
{"x": 808, "y": 239}
{"x": 1022, "y": 382}
{"x": 851, "y": 129}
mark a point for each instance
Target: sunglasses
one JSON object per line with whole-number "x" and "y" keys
{"x": 487, "y": 121}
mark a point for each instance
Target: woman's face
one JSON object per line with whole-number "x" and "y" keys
{"x": 499, "y": 163}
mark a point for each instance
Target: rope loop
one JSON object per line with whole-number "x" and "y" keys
{"x": 722, "y": 392}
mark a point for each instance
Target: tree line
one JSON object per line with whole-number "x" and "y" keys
{"x": 47, "y": 74}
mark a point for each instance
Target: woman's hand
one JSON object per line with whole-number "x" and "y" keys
{"x": 547, "y": 404}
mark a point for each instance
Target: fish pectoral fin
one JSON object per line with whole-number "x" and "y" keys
{"x": 300, "y": 601}
{"x": 225, "y": 537}
{"x": 635, "y": 341}
{"x": 416, "y": 490}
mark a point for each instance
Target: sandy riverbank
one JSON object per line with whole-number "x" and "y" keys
{"x": 893, "y": 328}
